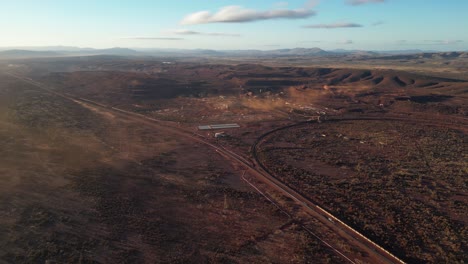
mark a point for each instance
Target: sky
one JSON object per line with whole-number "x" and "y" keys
{"x": 237, "y": 24}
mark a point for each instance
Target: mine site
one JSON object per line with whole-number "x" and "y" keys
{"x": 198, "y": 154}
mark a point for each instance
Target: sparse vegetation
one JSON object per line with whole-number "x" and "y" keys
{"x": 98, "y": 186}
{"x": 402, "y": 184}
{"x": 80, "y": 186}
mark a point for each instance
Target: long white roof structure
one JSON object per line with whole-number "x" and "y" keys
{"x": 218, "y": 126}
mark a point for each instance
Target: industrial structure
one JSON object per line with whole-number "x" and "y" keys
{"x": 218, "y": 126}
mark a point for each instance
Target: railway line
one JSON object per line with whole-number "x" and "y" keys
{"x": 258, "y": 171}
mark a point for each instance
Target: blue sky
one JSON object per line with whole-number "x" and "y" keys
{"x": 237, "y": 24}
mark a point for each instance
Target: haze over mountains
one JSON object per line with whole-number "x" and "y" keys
{"x": 59, "y": 51}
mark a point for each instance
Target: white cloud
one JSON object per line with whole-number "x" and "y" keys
{"x": 239, "y": 14}
{"x": 334, "y": 25}
{"x": 311, "y": 4}
{"x": 362, "y": 2}
{"x": 311, "y": 41}
{"x": 429, "y": 42}
{"x": 346, "y": 42}
{"x": 378, "y": 23}
{"x": 444, "y": 42}
{"x": 153, "y": 38}
{"x": 191, "y": 32}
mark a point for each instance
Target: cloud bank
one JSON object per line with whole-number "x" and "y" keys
{"x": 239, "y": 14}
{"x": 363, "y": 2}
{"x": 191, "y": 32}
{"x": 429, "y": 42}
{"x": 153, "y": 38}
{"x": 443, "y": 42}
{"x": 334, "y": 25}
{"x": 378, "y": 23}
{"x": 346, "y": 42}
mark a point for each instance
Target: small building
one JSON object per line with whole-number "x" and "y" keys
{"x": 220, "y": 134}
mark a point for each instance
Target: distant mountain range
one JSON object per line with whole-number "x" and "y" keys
{"x": 63, "y": 51}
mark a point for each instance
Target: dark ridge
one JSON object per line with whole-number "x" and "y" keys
{"x": 449, "y": 80}
{"x": 272, "y": 82}
{"x": 365, "y": 74}
{"x": 402, "y": 98}
{"x": 373, "y": 93}
{"x": 302, "y": 73}
{"x": 433, "y": 98}
{"x": 428, "y": 84}
{"x": 438, "y": 86}
{"x": 343, "y": 77}
{"x": 324, "y": 71}
{"x": 354, "y": 79}
{"x": 289, "y": 69}
{"x": 356, "y": 110}
{"x": 399, "y": 81}
{"x": 265, "y": 75}
{"x": 333, "y": 82}
{"x": 378, "y": 80}
{"x": 244, "y": 67}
